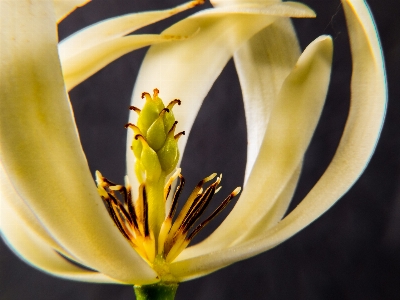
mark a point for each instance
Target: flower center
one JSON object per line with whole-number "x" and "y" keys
{"x": 148, "y": 222}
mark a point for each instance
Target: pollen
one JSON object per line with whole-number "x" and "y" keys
{"x": 149, "y": 222}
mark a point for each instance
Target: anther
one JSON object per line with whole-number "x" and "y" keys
{"x": 155, "y": 92}
{"x": 214, "y": 214}
{"x": 176, "y": 196}
{"x": 145, "y": 213}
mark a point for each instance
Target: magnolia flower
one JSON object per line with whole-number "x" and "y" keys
{"x": 49, "y": 201}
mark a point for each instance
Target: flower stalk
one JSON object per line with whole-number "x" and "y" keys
{"x": 158, "y": 291}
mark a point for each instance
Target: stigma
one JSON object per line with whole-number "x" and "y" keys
{"x": 146, "y": 218}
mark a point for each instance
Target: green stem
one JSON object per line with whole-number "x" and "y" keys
{"x": 158, "y": 291}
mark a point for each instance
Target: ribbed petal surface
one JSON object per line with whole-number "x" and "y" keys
{"x": 262, "y": 64}
{"x": 293, "y": 121}
{"x": 40, "y": 148}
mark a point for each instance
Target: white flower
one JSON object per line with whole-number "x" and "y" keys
{"x": 49, "y": 201}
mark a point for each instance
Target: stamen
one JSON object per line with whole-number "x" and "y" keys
{"x": 176, "y": 197}
{"x": 115, "y": 218}
{"x": 194, "y": 196}
{"x": 125, "y": 224}
{"x": 145, "y": 213}
{"x": 131, "y": 208}
{"x": 108, "y": 181}
{"x": 198, "y": 208}
{"x": 155, "y": 92}
{"x": 121, "y": 208}
{"x": 167, "y": 188}
{"x": 214, "y": 214}
{"x": 139, "y": 210}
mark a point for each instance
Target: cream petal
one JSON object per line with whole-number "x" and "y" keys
{"x": 276, "y": 213}
{"x": 64, "y": 7}
{"x": 187, "y": 69}
{"x": 21, "y": 212}
{"x": 292, "y": 124}
{"x": 83, "y": 65}
{"x": 219, "y": 3}
{"x": 363, "y": 127}
{"x": 262, "y": 64}
{"x": 33, "y": 250}
{"x": 40, "y": 148}
{"x": 24, "y": 216}
{"x": 113, "y": 28}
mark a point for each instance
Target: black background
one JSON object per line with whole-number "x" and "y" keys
{"x": 351, "y": 252}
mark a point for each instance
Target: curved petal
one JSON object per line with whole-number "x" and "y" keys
{"x": 242, "y": 2}
{"x": 292, "y": 124}
{"x": 22, "y": 213}
{"x": 40, "y": 148}
{"x": 64, "y": 7}
{"x": 36, "y": 252}
{"x": 367, "y": 112}
{"x": 113, "y": 28}
{"x": 262, "y": 64}
{"x": 83, "y": 65}
{"x": 275, "y": 214}
{"x": 187, "y": 69}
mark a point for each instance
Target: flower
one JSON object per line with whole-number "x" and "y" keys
{"x": 50, "y": 195}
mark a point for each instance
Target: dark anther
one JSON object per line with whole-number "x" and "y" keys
{"x": 108, "y": 181}
{"x": 131, "y": 209}
{"x": 198, "y": 208}
{"x": 138, "y": 135}
{"x": 169, "y": 190}
{"x": 145, "y": 213}
{"x": 116, "y": 221}
{"x": 176, "y": 197}
{"x": 212, "y": 216}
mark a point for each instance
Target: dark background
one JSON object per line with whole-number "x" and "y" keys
{"x": 351, "y": 252}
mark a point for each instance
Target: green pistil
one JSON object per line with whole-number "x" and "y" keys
{"x": 156, "y": 151}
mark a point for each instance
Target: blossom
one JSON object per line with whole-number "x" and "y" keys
{"x": 50, "y": 196}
